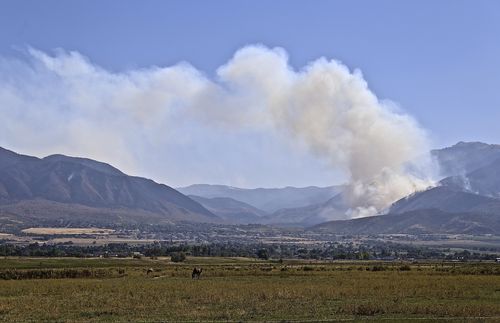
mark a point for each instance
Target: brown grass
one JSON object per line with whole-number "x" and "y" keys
{"x": 242, "y": 290}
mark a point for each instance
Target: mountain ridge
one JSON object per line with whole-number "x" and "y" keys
{"x": 82, "y": 181}
{"x": 231, "y": 210}
{"x": 65, "y": 188}
{"x": 422, "y": 221}
{"x": 266, "y": 199}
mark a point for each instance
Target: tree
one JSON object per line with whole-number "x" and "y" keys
{"x": 262, "y": 254}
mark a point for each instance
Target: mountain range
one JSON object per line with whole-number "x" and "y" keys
{"x": 465, "y": 157}
{"x": 288, "y": 206}
{"x": 268, "y": 200}
{"x": 80, "y": 191}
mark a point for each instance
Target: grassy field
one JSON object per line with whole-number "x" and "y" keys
{"x": 239, "y": 289}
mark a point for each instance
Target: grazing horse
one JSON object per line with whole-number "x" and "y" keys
{"x": 196, "y": 273}
{"x": 150, "y": 270}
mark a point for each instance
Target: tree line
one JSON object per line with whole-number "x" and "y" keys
{"x": 333, "y": 251}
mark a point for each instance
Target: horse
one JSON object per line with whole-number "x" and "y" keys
{"x": 196, "y": 273}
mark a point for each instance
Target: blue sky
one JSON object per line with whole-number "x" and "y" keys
{"x": 439, "y": 60}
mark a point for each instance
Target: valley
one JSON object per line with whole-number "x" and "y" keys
{"x": 71, "y": 203}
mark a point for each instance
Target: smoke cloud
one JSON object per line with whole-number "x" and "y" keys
{"x": 71, "y": 105}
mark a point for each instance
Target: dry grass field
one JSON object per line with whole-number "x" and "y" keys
{"x": 238, "y": 289}
{"x": 68, "y": 231}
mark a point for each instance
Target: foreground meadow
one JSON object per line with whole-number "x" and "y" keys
{"x": 83, "y": 290}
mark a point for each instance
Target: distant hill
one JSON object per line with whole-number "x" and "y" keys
{"x": 476, "y": 191}
{"x": 333, "y": 209}
{"x": 446, "y": 199}
{"x": 417, "y": 222}
{"x": 266, "y": 199}
{"x": 465, "y": 157}
{"x": 467, "y": 201}
{"x": 231, "y": 210}
{"x": 98, "y": 188}
{"x": 482, "y": 181}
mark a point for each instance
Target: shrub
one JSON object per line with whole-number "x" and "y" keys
{"x": 16, "y": 274}
{"x": 405, "y": 268}
{"x": 178, "y": 256}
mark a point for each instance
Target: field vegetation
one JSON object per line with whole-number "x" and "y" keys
{"x": 83, "y": 290}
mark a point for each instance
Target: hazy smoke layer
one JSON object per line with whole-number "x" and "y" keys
{"x": 324, "y": 106}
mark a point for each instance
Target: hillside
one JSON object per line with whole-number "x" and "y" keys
{"x": 476, "y": 191}
{"x": 332, "y": 209}
{"x": 87, "y": 183}
{"x": 465, "y": 202}
{"x": 483, "y": 181}
{"x": 446, "y": 199}
{"x": 231, "y": 210}
{"x": 417, "y": 222}
{"x": 465, "y": 157}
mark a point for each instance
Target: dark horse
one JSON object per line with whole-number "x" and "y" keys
{"x": 196, "y": 273}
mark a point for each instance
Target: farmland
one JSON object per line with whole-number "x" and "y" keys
{"x": 67, "y": 231}
{"x": 83, "y": 290}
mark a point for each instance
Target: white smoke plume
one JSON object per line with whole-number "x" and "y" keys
{"x": 81, "y": 108}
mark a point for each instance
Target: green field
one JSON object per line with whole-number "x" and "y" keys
{"x": 244, "y": 290}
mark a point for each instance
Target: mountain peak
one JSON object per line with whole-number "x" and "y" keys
{"x": 465, "y": 157}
